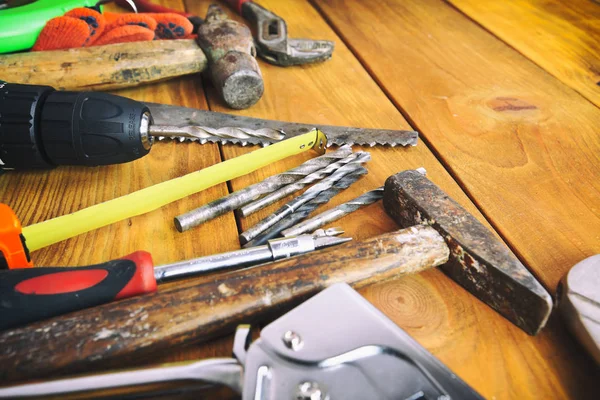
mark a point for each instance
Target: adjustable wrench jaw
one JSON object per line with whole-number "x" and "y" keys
{"x": 273, "y": 44}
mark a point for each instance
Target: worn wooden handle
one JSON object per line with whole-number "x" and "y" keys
{"x": 107, "y": 335}
{"x": 105, "y": 67}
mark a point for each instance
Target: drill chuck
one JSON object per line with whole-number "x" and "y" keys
{"x": 43, "y": 128}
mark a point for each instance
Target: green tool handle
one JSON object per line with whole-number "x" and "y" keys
{"x": 20, "y": 26}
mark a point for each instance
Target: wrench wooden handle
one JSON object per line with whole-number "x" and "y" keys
{"x": 108, "y": 67}
{"x": 208, "y": 306}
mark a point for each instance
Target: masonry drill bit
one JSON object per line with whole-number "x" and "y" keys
{"x": 304, "y": 198}
{"x": 244, "y": 196}
{"x": 306, "y": 209}
{"x": 335, "y": 213}
{"x": 296, "y": 186}
{"x": 204, "y": 134}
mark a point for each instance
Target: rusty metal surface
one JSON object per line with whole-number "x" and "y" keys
{"x": 273, "y": 43}
{"x": 230, "y": 51}
{"x": 478, "y": 260}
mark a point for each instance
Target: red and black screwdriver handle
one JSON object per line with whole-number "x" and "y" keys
{"x": 33, "y": 294}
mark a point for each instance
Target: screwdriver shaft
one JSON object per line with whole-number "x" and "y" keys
{"x": 273, "y": 250}
{"x": 218, "y": 262}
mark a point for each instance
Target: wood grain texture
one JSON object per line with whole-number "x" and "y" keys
{"x": 563, "y": 37}
{"x": 489, "y": 353}
{"x": 494, "y": 356}
{"x": 523, "y": 145}
{"x": 40, "y": 195}
{"x": 211, "y": 307}
{"x": 108, "y": 67}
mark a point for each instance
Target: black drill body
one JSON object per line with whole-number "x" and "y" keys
{"x": 43, "y": 128}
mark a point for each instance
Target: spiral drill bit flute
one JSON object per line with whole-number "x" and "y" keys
{"x": 335, "y": 213}
{"x": 304, "y": 211}
{"x": 296, "y": 186}
{"x": 244, "y": 196}
{"x": 304, "y": 198}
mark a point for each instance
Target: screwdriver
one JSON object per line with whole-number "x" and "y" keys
{"x": 33, "y": 294}
{"x": 41, "y": 128}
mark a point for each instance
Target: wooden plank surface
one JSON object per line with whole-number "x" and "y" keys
{"x": 492, "y": 355}
{"x": 563, "y": 37}
{"x": 522, "y": 144}
{"x": 38, "y": 196}
{"x": 496, "y": 358}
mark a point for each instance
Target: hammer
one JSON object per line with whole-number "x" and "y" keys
{"x": 214, "y": 305}
{"x": 224, "y": 48}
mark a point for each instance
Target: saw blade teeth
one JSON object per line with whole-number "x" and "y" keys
{"x": 181, "y": 140}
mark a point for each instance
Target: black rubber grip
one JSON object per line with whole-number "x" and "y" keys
{"x": 20, "y": 111}
{"x": 92, "y": 128}
{"x": 43, "y": 128}
{"x": 33, "y": 294}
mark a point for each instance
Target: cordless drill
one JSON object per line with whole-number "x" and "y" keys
{"x": 41, "y": 127}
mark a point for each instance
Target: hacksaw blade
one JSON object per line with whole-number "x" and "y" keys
{"x": 338, "y": 135}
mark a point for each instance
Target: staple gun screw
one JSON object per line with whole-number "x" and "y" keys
{"x": 292, "y": 340}
{"x": 310, "y": 391}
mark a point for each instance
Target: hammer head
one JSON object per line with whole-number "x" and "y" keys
{"x": 232, "y": 65}
{"x": 479, "y": 261}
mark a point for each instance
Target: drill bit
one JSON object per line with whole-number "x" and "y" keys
{"x": 304, "y": 198}
{"x": 306, "y": 209}
{"x": 205, "y": 134}
{"x": 244, "y": 196}
{"x": 294, "y": 187}
{"x": 335, "y": 213}
{"x": 336, "y": 135}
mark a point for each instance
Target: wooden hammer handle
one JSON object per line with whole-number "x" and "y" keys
{"x": 107, "y": 67}
{"x": 106, "y": 336}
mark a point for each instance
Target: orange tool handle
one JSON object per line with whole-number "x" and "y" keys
{"x": 13, "y": 250}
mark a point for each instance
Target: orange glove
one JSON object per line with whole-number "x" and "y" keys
{"x": 83, "y": 27}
